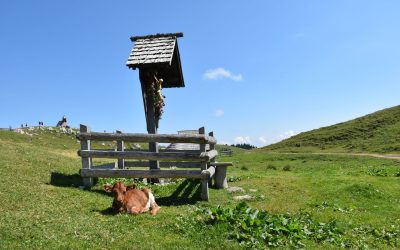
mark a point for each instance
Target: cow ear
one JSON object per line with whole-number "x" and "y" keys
{"x": 108, "y": 188}
{"x": 133, "y": 186}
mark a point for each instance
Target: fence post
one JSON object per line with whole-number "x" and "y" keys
{"x": 86, "y": 161}
{"x": 204, "y": 182}
{"x": 212, "y": 147}
{"x": 121, "y": 148}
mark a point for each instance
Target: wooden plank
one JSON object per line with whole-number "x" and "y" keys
{"x": 221, "y": 164}
{"x": 86, "y": 161}
{"x": 153, "y": 173}
{"x": 166, "y": 164}
{"x": 139, "y": 137}
{"x": 121, "y": 148}
{"x": 177, "y": 164}
{"x": 168, "y": 156}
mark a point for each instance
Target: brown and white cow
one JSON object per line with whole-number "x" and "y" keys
{"x": 131, "y": 199}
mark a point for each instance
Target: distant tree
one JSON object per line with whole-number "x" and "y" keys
{"x": 244, "y": 146}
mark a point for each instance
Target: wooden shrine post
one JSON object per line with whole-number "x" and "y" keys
{"x": 158, "y": 60}
{"x": 147, "y": 78}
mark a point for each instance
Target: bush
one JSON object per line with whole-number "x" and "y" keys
{"x": 287, "y": 168}
{"x": 269, "y": 166}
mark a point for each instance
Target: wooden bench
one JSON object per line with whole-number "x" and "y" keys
{"x": 201, "y": 163}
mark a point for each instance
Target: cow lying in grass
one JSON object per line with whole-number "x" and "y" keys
{"x": 131, "y": 199}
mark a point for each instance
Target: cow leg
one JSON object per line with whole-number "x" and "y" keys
{"x": 154, "y": 209}
{"x": 134, "y": 210}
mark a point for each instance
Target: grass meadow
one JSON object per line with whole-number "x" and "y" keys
{"x": 44, "y": 206}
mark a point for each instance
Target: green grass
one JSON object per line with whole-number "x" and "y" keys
{"x": 378, "y": 132}
{"x": 43, "y": 205}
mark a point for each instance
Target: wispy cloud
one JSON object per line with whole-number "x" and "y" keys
{"x": 285, "y": 135}
{"x": 219, "y": 112}
{"x": 220, "y": 73}
{"x": 262, "y": 140}
{"x": 242, "y": 139}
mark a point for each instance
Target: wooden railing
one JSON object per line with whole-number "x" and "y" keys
{"x": 203, "y": 160}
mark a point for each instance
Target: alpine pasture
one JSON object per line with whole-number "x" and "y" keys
{"x": 296, "y": 200}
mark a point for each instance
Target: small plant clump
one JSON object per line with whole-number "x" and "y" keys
{"x": 260, "y": 229}
{"x": 234, "y": 178}
{"x": 377, "y": 172}
{"x": 287, "y": 168}
{"x": 270, "y": 166}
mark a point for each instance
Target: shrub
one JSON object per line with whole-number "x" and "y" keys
{"x": 287, "y": 168}
{"x": 270, "y": 166}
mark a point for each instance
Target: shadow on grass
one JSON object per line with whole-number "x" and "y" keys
{"x": 188, "y": 192}
{"x": 65, "y": 180}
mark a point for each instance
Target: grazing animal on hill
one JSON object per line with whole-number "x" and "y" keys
{"x": 131, "y": 199}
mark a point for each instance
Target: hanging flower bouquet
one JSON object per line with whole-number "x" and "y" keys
{"x": 155, "y": 91}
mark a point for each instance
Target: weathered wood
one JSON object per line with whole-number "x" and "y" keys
{"x": 204, "y": 190}
{"x": 202, "y": 131}
{"x": 208, "y": 173}
{"x": 211, "y": 154}
{"x": 120, "y": 147}
{"x": 165, "y": 164}
{"x": 220, "y": 177}
{"x": 86, "y": 161}
{"x": 208, "y": 181}
{"x": 139, "y": 137}
{"x": 211, "y": 134}
{"x": 177, "y": 164}
{"x": 178, "y": 34}
{"x": 168, "y": 156}
{"x": 152, "y": 173}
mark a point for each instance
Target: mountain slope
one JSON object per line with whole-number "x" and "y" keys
{"x": 378, "y": 132}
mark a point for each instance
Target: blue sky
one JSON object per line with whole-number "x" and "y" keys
{"x": 255, "y": 71}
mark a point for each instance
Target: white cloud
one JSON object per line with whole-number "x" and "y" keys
{"x": 242, "y": 139}
{"x": 219, "y": 112}
{"x": 262, "y": 140}
{"x": 285, "y": 135}
{"x": 220, "y": 73}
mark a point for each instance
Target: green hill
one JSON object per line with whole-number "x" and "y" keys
{"x": 378, "y": 132}
{"x": 327, "y": 201}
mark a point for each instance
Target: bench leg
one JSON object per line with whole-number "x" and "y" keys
{"x": 204, "y": 190}
{"x": 220, "y": 177}
{"x": 88, "y": 182}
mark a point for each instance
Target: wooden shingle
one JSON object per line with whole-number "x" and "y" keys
{"x": 160, "y": 53}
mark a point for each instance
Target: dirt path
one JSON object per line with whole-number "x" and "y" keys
{"x": 385, "y": 156}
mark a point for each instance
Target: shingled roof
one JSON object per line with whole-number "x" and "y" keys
{"x": 160, "y": 53}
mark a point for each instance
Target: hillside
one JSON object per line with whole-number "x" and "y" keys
{"x": 45, "y": 206}
{"x": 378, "y": 132}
